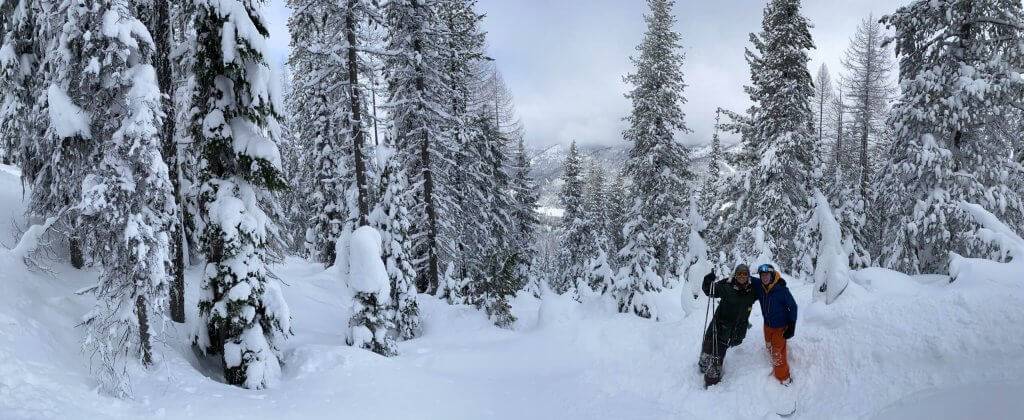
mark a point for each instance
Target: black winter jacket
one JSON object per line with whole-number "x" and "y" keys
{"x": 733, "y": 313}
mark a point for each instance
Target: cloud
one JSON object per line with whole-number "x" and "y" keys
{"x": 564, "y": 60}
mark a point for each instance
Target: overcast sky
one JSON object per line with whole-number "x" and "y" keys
{"x": 564, "y": 59}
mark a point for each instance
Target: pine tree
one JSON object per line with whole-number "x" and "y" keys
{"x": 575, "y": 245}
{"x": 419, "y": 94}
{"x": 391, "y": 218}
{"x": 160, "y": 25}
{"x": 773, "y": 192}
{"x": 243, "y": 316}
{"x": 618, "y": 206}
{"x": 524, "y": 214}
{"x": 56, "y": 164}
{"x": 372, "y": 323}
{"x": 710, "y": 188}
{"x": 944, "y": 150}
{"x": 596, "y": 205}
{"x": 657, "y": 164}
{"x": 319, "y": 99}
{"x": 18, "y": 63}
{"x": 127, "y": 201}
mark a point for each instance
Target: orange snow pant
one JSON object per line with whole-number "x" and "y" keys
{"x": 776, "y": 344}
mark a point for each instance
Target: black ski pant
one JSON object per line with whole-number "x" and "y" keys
{"x": 716, "y": 343}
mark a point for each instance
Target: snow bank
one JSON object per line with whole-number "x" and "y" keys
{"x": 367, "y": 273}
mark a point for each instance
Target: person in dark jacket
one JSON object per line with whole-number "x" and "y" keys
{"x": 729, "y": 325}
{"x": 779, "y": 311}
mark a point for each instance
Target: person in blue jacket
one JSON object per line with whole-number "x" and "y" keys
{"x": 779, "y": 310}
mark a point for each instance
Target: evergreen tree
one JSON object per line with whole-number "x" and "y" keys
{"x": 657, "y": 164}
{"x": 618, "y": 205}
{"x": 596, "y": 206}
{"x": 391, "y": 218}
{"x": 243, "y": 316}
{"x": 127, "y": 201}
{"x": 319, "y": 99}
{"x": 160, "y": 24}
{"x": 945, "y": 150}
{"x": 710, "y": 188}
{"x": 419, "y": 96}
{"x": 18, "y": 63}
{"x": 575, "y": 245}
{"x": 57, "y": 163}
{"x": 773, "y": 191}
{"x": 372, "y": 324}
{"x": 524, "y": 214}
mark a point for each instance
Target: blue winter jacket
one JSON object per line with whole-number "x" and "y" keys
{"x": 777, "y": 305}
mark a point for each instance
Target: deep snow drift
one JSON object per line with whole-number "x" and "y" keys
{"x": 891, "y": 347}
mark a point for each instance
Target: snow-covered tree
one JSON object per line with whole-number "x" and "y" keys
{"x": 419, "y": 96}
{"x": 831, "y": 257}
{"x": 575, "y": 243}
{"x": 711, "y": 185}
{"x": 773, "y": 193}
{"x": 56, "y": 164}
{"x": 327, "y": 98}
{"x": 20, "y": 58}
{"x": 595, "y": 205}
{"x": 127, "y": 202}
{"x": 696, "y": 263}
{"x": 371, "y": 325}
{"x": 524, "y": 214}
{"x": 657, "y": 165}
{"x": 960, "y": 62}
{"x": 391, "y": 218}
{"x": 242, "y": 314}
{"x": 618, "y": 204}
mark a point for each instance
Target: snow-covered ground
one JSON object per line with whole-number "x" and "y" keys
{"x": 891, "y": 347}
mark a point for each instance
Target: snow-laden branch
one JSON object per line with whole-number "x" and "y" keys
{"x": 992, "y": 231}
{"x": 30, "y": 240}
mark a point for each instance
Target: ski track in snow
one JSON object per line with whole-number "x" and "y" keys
{"x": 891, "y": 347}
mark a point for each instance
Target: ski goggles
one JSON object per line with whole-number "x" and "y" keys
{"x": 765, "y": 268}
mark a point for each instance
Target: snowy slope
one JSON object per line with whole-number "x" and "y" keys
{"x": 891, "y": 347}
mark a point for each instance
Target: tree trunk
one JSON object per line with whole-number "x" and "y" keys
{"x": 356, "y": 116}
{"x": 143, "y": 316}
{"x": 75, "y": 251}
{"x": 162, "y": 37}
{"x": 427, "y": 282}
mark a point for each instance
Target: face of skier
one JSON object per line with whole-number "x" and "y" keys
{"x": 742, "y": 277}
{"x": 766, "y": 277}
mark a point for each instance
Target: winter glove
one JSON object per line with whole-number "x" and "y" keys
{"x": 789, "y": 331}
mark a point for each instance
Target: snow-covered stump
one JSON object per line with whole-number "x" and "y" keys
{"x": 371, "y": 290}
{"x": 992, "y": 231}
{"x": 832, "y": 262}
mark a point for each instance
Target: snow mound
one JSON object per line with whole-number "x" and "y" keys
{"x": 367, "y": 273}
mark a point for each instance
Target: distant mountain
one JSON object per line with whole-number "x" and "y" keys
{"x": 547, "y": 165}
